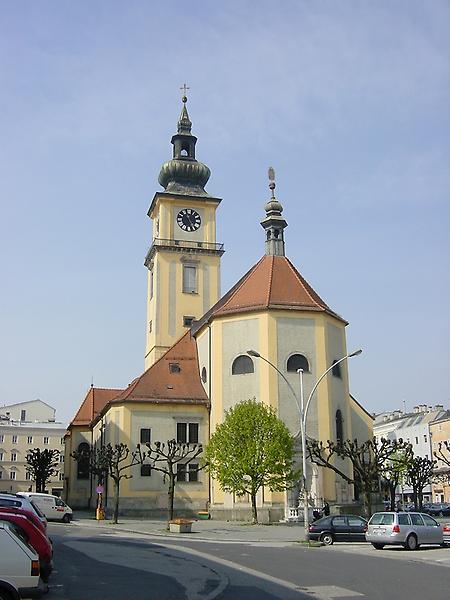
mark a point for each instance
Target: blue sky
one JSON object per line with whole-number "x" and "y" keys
{"x": 347, "y": 100}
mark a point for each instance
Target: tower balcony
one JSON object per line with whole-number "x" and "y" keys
{"x": 183, "y": 246}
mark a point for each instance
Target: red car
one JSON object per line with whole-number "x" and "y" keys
{"x": 30, "y": 515}
{"x": 33, "y": 536}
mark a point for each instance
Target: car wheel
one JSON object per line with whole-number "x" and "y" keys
{"x": 66, "y": 519}
{"x": 327, "y": 539}
{"x": 411, "y": 542}
{"x": 4, "y": 595}
{"x": 378, "y": 546}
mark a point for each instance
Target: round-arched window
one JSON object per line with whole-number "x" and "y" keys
{"x": 297, "y": 362}
{"x": 83, "y": 461}
{"x": 242, "y": 364}
{"x": 339, "y": 427}
{"x": 204, "y": 375}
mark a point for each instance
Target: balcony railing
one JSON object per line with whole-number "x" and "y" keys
{"x": 184, "y": 246}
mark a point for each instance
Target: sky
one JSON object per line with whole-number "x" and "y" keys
{"x": 348, "y": 101}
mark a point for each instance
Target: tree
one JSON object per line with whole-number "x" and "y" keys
{"x": 172, "y": 459}
{"x": 419, "y": 474}
{"x": 394, "y": 471}
{"x": 42, "y": 465}
{"x": 367, "y": 460}
{"x": 251, "y": 449}
{"x": 113, "y": 461}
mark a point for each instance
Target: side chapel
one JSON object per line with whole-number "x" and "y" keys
{"x": 196, "y": 361}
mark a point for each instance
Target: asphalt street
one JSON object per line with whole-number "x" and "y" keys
{"x": 102, "y": 564}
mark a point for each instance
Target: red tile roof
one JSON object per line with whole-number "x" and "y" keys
{"x": 94, "y": 402}
{"x": 273, "y": 283}
{"x": 174, "y": 378}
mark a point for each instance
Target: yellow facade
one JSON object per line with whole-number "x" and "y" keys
{"x": 440, "y": 432}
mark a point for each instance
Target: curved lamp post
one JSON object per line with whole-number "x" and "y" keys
{"x": 303, "y": 411}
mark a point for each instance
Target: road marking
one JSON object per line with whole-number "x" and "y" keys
{"x": 328, "y": 592}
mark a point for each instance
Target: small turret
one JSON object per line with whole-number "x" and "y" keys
{"x": 274, "y": 224}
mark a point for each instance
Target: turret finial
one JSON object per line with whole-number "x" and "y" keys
{"x": 272, "y": 180}
{"x": 274, "y": 224}
{"x": 184, "y": 88}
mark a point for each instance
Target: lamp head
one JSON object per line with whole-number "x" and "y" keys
{"x": 356, "y": 352}
{"x": 254, "y": 353}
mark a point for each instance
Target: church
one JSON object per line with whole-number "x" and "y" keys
{"x": 197, "y": 360}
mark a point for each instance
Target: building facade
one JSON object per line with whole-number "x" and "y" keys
{"x": 440, "y": 433}
{"x": 196, "y": 360}
{"x": 25, "y": 426}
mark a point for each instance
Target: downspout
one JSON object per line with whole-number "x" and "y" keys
{"x": 209, "y": 409}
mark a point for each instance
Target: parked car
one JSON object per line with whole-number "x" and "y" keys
{"x": 338, "y": 528}
{"x": 35, "y": 537}
{"x": 19, "y": 565}
{"x": 438, "y": 509}
{"x": 29, "y": 514}
{"x": 446, "y": 533}
{"x": 408, "y": 529}
{"x": 16, "y": 501}
{"x": 52, "y": 507}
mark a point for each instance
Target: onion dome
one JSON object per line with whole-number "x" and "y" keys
{"x": 183, "y": 174}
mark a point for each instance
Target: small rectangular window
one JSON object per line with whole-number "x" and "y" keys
{"x": 189, "y": 279}
{"x": 181, "y": 472}
{"x": 336, "y": 370}
{"x": 150, "y": 284}
{"x": 61, "y": 476}
{"x": 187, "y": 433}
{"x": 14, "y": 439}
{"x": 187, "y": 321}
{"x": 45, "y": 440}
{"x": 2, "y": 439}
{"x": 61, "y": 458}
{"x": 12, "y": 475}
{"x": 417, "y": 440}
{"x": 30, "y": 439}
{"x": 150, "y": 326}
{"x": 28, "y": 476}
{"x": 174, "y": 368}
{"x": 146, "y": 436}
{"x": 425, "y": 439}
{"x": 193, "y": 472}
{"x": 23, "y": 415}
{"x": 1, "y": 456}
{"x": 13, "y": 457}
{"x": 146, "y": 470}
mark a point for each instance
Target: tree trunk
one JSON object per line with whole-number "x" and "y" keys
{"x": 420, "y": 498}
{"x": 367, "y": 504}
{"x": 171, "y": 495}
{"x": 254, "y": 511}
{"x": 415, "y": 499}
{"x": 116, "y": 500}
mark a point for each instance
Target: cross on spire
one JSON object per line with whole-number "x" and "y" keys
{"x": 184, "y": 89}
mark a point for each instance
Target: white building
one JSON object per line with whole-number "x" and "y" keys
{"x": 24, "y": 426}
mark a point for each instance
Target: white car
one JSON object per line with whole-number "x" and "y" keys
{"x": 19, "y": 566}
{"x": 52, "y": 507}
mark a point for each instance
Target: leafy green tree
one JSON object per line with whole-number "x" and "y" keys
{"x": 251, "y": 449}
{"x": 419, "y": 474}
{"x": 172, "y": 459}
{"x": 110, "y": 460}
{"x": 42, "y": 465}
{"x": 367, "y": 460}
{"x": 394, "y": 471}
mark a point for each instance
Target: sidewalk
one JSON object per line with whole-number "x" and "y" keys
{"x": 202, "y": 530}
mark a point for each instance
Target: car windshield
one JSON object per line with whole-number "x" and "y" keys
{"x": 382, "y": 519}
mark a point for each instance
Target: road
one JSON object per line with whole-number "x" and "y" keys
{"x": 97, "y": 565}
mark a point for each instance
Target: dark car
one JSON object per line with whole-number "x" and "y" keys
{"x": 438, "y": 509}
{"x": 338, "y": 528}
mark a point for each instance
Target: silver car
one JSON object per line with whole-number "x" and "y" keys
{"x": 408, "y": 529}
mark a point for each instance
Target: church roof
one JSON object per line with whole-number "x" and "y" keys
{"x": 94, "y": 402}
{"x": 174, "y": 378}
{"x": 273, "y": 283}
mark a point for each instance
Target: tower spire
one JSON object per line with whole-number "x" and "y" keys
{"x": 274, "y": 224}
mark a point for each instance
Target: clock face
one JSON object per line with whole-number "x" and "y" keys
{"x": 188, "y": 219}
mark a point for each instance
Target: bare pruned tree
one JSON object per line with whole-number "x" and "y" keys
{"x": 419, "y": 474}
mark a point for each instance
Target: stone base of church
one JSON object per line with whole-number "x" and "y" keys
{"x": 266, "y": 514}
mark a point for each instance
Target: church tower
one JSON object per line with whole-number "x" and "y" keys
{"x": 184, "y": 259}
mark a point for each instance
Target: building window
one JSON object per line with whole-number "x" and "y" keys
{"x": 336, "y": 370}
{"x": 28, "y": 476}
{"x": 62, "y": 441}
{"x": 150, "y": 290}
{"x": 339, "y": 427}
{"x": 145, "y": 436}
{"x": 61, "y": 476}
{"x": 1, "y": 456}
{"x": 1, "y": 474}
{"x": 12, "y": 475}
{"x": 61, "y": 458}
{"x": 189, "y": 279}
{"x": 13, "y": 457}
{"x": 297, "y": 362}
{"x": 146, "y": 471}
{"x": 30, "y": 439}
{"x": 241, "y": 365}
{"x": 417, "y": 440}
{"x": 45, "y": 439}
{"x": 150, "y": 326}
{"x": 2, "y": 439}
{"x": 14, "y": 439}
{"x": 187, "y": 433}
{"x": 23, "y": 415}
{"x": 204, "y": 375}
{"x": 174, "y": 368}
{"x": 187, "y": 321}
{"x": 187, "y": 473}
{"x": 83, "y": 461}
{"x": 425, "y": 439}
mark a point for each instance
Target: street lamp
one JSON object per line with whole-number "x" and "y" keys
{"x": 303, "y": 411}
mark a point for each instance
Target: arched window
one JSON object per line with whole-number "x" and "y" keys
{"x": 339, "y": 427}
{"x": 83, "y": 461}
{"x": 336, "y": 370}
{"x": 241, "y": 365}
{"x": 296, "y": 362}
{"x": 204, "y": 375}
